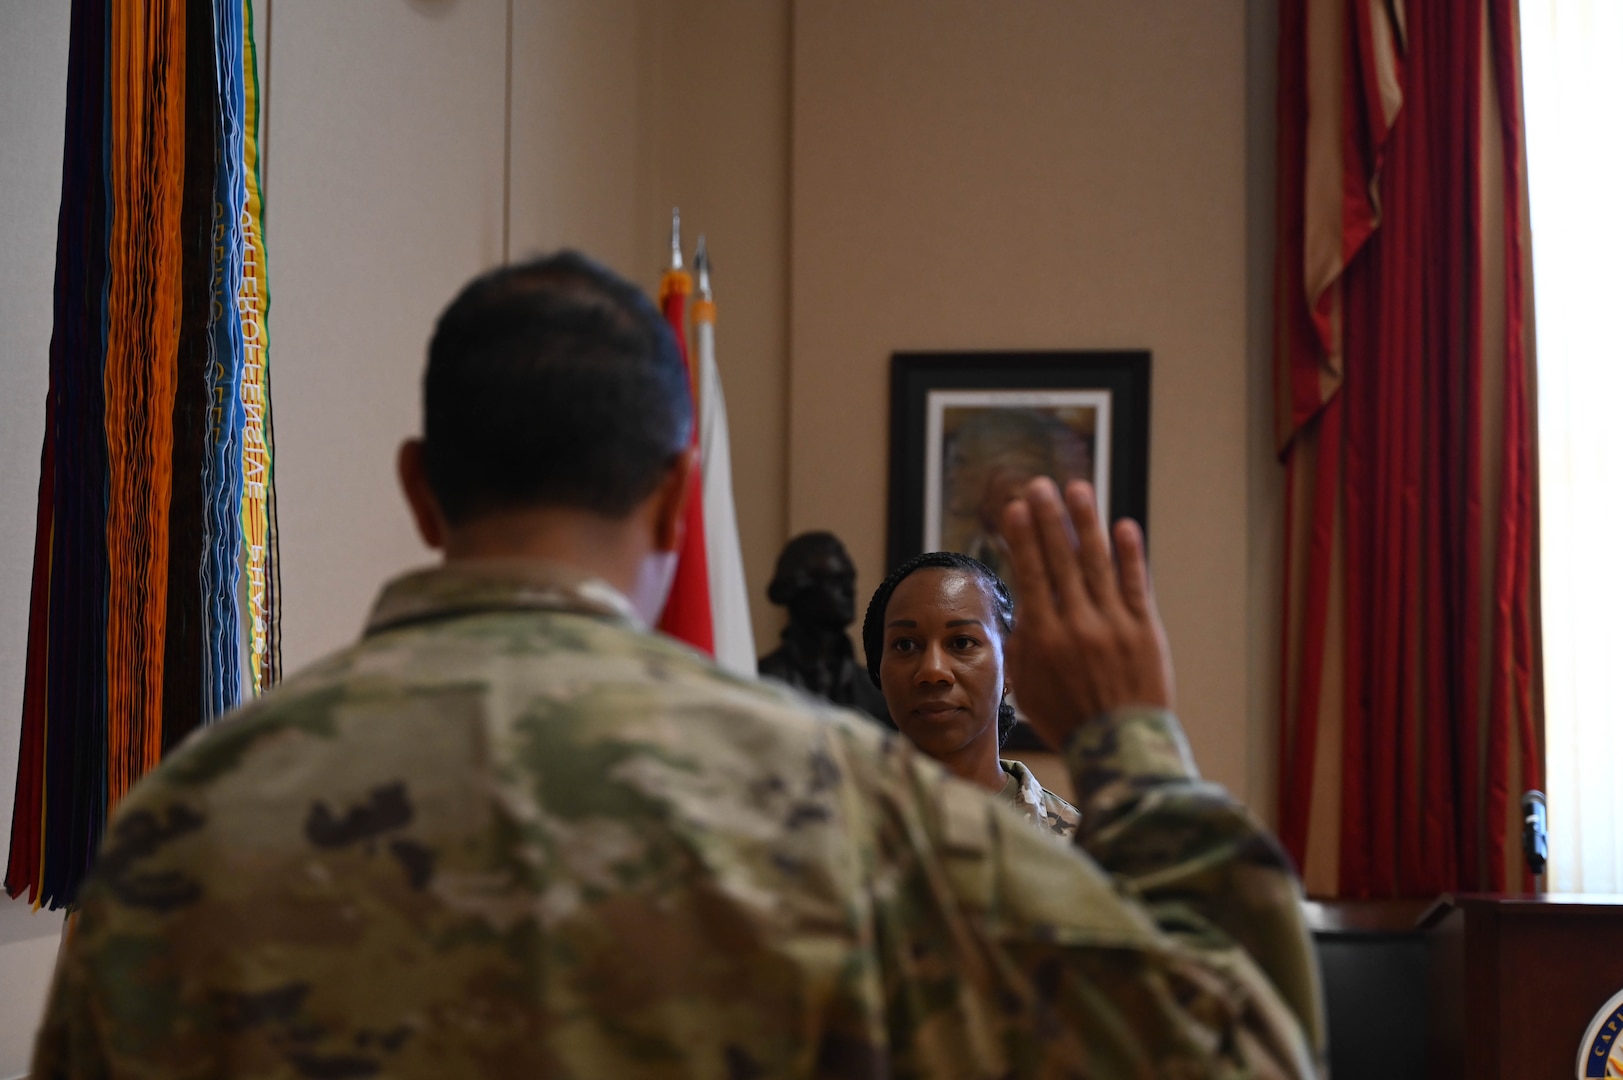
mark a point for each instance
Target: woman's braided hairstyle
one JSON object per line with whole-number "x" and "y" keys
{"x": 873, "y": 623}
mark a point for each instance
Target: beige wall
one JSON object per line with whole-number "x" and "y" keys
{"x": 623, "y": 109}
{"x": 1265, "y": 494}
{"x": 717, "y": 145}
{"x": 1052, "y": 174}
{"x": 576, "y": 124}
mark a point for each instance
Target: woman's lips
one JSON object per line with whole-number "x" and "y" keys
{"x": 935, "y": 710}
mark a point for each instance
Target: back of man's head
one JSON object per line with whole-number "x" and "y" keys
{"x": 551, "y": 383}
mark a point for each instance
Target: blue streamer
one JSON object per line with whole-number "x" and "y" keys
{"x": 222, "y": 460}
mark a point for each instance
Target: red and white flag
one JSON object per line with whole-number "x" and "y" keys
{"x": 687, "y": 610}
{"x": 733, "y": 633}
{"x": 709, "y": 602}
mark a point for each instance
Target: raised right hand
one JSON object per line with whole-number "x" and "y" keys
{"x": 1088, "y": 638}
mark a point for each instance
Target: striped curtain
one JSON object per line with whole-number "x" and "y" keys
{"x": 1410, "y": 702}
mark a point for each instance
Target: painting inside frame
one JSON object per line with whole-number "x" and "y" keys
{"x": 983, "y": 446}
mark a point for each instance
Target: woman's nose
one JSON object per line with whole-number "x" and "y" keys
{"x": 933, "y": 666}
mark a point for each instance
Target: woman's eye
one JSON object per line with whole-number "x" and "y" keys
{"x": 964, "y": 643}
{"x": 902, "y": 645}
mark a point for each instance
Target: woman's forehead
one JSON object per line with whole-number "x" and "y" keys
{"x": 941, "y": 590}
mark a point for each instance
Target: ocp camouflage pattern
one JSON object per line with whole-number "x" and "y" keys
{"x": 511, "y": 833}
{"x": 1026, "y": 794}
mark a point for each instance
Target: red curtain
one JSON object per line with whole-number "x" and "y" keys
{"x": 1404, "y": 424}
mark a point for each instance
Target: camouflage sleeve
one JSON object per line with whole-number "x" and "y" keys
{"x": 1007, "y": 953}
{"x": 1210, "y": 875}
{"x": 64, "y": 1046}
{"x": 112, "y": 1000}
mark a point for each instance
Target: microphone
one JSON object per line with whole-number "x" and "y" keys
{"x": 1535, "y": 832}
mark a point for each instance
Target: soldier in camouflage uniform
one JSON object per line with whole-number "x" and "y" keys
{"x": 512, "y": 832}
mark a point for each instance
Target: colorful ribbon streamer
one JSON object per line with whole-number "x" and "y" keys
{"x": 154, "y": 604}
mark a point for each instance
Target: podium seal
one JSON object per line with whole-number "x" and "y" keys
{"x": 1597, "y": 1054}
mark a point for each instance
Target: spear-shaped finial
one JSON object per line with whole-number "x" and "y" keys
{"x": 701, "y": 266}
{"x": 675, "y": 281}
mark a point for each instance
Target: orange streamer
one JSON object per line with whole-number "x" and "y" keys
{"x": 147, "y": 89}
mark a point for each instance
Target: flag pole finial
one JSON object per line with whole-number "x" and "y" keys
{"x": 675, "y": 281}
{"x": 701, "y": 267}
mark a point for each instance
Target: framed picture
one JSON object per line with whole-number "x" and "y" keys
{"x": 968, "y": 430}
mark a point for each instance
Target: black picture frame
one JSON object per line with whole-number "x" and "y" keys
{"x": 931, "y": 391}
{"x": 1123, "y": 374}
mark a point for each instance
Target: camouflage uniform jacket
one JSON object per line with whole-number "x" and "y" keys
{"x": 1024, "y": 793}
{"x": 512, "y": 833}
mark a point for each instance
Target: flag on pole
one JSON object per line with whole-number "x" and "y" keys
{"x": 734, "y": 636}
{"x": 687, "y": 611}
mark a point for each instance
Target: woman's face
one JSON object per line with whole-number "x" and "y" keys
{"x": 942, "y": 667}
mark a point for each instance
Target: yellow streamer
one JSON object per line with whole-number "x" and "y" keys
{"x": 252, "y": 302}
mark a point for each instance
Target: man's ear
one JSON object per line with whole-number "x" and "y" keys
{"x": 670, "y": 501}
{"x": 425, "y": 509}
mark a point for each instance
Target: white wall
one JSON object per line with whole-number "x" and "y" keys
{"x": 33, "y": 76}
{"x": 383, "y": 194}
{"x": 27, "y": 964}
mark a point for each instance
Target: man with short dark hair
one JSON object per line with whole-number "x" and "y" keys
{"x": 511, "y": 832}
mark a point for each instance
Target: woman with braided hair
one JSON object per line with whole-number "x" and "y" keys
{"x": 933, "y": 638}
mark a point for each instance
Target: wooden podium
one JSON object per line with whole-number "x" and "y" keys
{"x": 1487, "y": 987}
{"x": 1515, "y": 980}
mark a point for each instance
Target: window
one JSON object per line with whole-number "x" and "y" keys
{"x": 1573, "y": 92}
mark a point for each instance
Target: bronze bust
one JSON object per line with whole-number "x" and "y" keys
{"x": 816, "y": 580}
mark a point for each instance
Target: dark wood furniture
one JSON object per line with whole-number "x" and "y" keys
{"x": 1374, "y": 958}
{"x": 1515, "y": 981}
